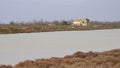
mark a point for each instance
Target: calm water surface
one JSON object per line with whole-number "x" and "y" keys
{"x": 18, "y": 47}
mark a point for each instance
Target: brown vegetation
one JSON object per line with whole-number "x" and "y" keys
{"x": 107, "y": 59}
{"x": 44, "y": 26}
{"x": 6, "y": 66}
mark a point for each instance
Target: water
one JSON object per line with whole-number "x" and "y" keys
{"x": 18, "y": 47}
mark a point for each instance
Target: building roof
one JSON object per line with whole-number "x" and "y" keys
{"x": 77, "y": 20}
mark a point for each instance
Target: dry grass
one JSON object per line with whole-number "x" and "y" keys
{"x": 44, "y": 26}
{"x": 107, "y": 59}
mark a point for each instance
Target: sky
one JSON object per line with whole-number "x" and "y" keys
{"x": 28, "y": 10}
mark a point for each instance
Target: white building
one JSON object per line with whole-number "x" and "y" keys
{"x": 80, "y": 22}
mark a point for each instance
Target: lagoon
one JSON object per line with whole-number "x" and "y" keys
{"x": 19, "y": 47}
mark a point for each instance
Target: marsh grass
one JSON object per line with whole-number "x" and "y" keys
{"x": 107, "y": 59}
{"x": 45, "y": 26}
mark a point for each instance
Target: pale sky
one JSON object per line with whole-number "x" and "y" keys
{"x": 27, "y": 10}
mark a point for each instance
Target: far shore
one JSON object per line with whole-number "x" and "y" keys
{"x": 40, "y": 26}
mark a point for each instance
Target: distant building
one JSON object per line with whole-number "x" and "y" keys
{"x": 80, "y": 22}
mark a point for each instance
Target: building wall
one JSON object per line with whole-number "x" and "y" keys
{"x": 80, "y": 22}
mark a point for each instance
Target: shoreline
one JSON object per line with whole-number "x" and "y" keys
{"x": 35, "y": 27}
{"x": 62, "y": 31}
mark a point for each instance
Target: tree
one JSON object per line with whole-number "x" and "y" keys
{"x": 64, "y": 22}
{"x": 12, "y": 23}
{"x": 88, "y": 20}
